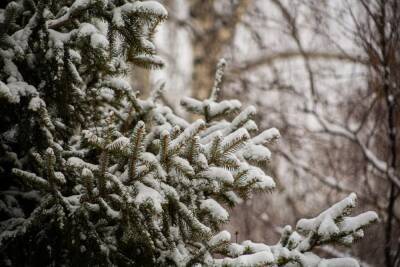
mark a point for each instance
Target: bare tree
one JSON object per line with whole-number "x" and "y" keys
{"x": 379, "y": 35}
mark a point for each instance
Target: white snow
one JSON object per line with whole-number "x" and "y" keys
{"x": 13, "y": 91}
{"x": 221, "y": 237}
{"x": 121, "y": 143}
{"x": 219, "y": 174}
{"x": 118, "y": 83}
{"x": 79, "y": 164}
{"x": 111, "y": 213}
{"x": 235, "y": 250}
{"x": 266, "y": 136}
{"x": 257, "y": 153}
{"x": 149, "y": 59}
{"x": 214, "y": 209}
{"x": 189, "y": 132}
{"x": 192, "y": 189}
{"x": 243, "y": 117}
{"x": 352, "y": 224}
{"x": 328, "y": 227}
{"x": 332, "y": 213}
{"x": 87, "y": 30}
{"x": 60, "y": 178}
{"x": 262, "y": 180}
{"x": 79, "y": 5}
{"x": 210, "y": 107}
{"x": 152, "y": 7}
{"x": 192, "y": 105}
{"x": 240, "y": 133}
{"x": 217, "y": 109}
{"x": 183, "y": 165}
{"x": 36, "y": 103}
{"x": 233, "y": 197}
{"x": 6, "y": 93}
{"x": 98, "y": 40}
{"x": 262, "y": 258}
{"x": 255, "y": 247}
{"x": 149, "y": 195}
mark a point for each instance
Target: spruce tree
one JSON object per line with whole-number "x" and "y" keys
{"x": 92, "y": 175}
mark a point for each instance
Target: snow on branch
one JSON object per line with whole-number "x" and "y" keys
{"x": 123, "y": 180}
{"x": 339, "y": 130}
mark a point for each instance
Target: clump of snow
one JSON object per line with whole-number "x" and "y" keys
{"x": 266, "y": 137}
{"x": 263, "y": 258}
{"x": 149, "y": 195}
{"x": 98, "y": 40}
{"x": 352, "y": 224}
{"x": 151, "y": 7}
{"x": 13, "y": 91}
{"x": 257, "y": 176}
{"x": 257, "y": 153}
{"x": 36, "y": 103}
{"x": 221, "y": 237}
{"x": 330, "y": 222}
{"x": 328, "y": 227}
{"x": 219, "y": 174}
{"x": 243, "y": 117}
{"x": 233, "y": 197}
{"x": 332, "y": 213}
{"x": 210, "y": 108}
{"x": 214, "y": 209}
{"x": 80, "y": 164}
{"x": 192, "y": 105}
{"x": 240, "y": 133}
{"x": 6, "y": 93}
{"x": 118, "y": 83}
{"x": 217, "y": 109}
{"x": 148, "y": 59}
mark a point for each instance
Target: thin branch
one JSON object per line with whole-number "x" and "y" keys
{"x": 269, "y": 59}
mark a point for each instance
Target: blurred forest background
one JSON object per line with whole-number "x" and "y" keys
{"x": 327, "y": 75}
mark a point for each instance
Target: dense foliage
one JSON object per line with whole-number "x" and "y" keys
{"x": 93, "y": 175}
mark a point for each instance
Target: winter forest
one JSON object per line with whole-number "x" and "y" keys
{"x": 200, "y": 133}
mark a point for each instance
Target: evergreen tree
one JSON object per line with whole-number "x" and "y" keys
{"x": 92, "y": 175}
